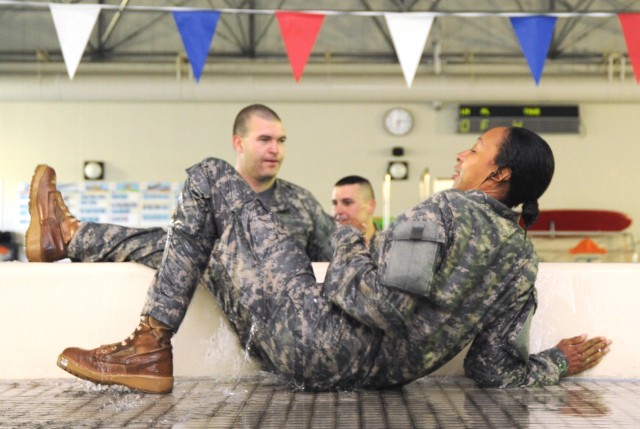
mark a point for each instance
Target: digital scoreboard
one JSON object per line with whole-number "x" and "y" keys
{"x": 477, "y": 118}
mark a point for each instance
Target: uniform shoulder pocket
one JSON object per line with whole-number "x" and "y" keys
{"x": 412, "y": 257}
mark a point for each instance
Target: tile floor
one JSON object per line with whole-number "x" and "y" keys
{"x": 262, "y": 403}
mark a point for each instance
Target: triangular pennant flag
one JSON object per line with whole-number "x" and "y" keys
{"x": 74, "y": 24}
{"x": 409, "y": 32}
{"x": 631, "y": 28}
{"x": 196, "y": 29}
{"x": 534, "y": 34}
{"x": 299, "y": 33}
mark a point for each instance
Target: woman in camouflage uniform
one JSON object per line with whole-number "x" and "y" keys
{"x": 455, "y": 270}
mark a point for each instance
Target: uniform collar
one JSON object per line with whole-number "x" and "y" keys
{"x": 498, "y": 206}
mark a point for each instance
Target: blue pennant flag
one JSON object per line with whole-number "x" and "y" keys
{"x": 534, "y": 34}
{"x": 196, "y": 29}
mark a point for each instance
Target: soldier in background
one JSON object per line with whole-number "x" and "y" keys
{"x": 353, "y": 198}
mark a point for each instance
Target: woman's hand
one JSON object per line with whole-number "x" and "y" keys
{"x": 583, "y": 353}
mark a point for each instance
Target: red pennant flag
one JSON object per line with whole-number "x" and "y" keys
{"x": 299, "y": 32}
{"x": 631, "y": 28}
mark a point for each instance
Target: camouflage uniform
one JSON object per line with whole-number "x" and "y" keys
{"x": 102, "y": 242}
{"x": 378, "y": 320}
{"x": 296, "y": 207}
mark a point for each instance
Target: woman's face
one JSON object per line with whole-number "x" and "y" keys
{"x": 477, "y": 164}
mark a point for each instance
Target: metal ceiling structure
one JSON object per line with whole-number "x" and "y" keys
{"x": 588, "y": 39}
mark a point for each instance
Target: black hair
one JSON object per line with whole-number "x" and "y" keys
{"x": 240, "y": 124}
{"x": 532, "y": 165}
{"x": 356, "y": 180}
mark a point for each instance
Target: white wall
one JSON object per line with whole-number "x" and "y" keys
{"x": 334, "y": 128}
{"x": 594, "y": 299}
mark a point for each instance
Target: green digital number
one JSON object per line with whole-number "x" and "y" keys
{"x": 531, "y": 111}
{"x": 464, "y": 126}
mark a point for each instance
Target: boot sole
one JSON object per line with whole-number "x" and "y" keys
{"x": 33, "y": 248}
{"x": 148, "y": 384}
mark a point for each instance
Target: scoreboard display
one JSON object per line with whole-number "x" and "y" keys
{"x": 477, "y": 118}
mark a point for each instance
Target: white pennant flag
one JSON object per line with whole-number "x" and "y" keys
{"x": 74, "y": 24}
{"x": 409, "y": 32}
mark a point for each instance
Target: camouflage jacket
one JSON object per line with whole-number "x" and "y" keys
{"x": 304, "y": 218}
{"x": 454, "y": 270}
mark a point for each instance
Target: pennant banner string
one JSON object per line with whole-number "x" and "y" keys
{"x": 31, "y": 4}
{"x": 409, "y": 31}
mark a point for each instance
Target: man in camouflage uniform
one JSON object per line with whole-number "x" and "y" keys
{"x": 454, "y": 270}
{"x": 296, "y": 207}
{"x": 353, "y": 198}
{"x": 258, "y": 163}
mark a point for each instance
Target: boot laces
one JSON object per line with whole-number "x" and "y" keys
{"x": 131, "y": 337}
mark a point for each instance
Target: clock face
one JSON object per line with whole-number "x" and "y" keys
{"x": 398, "y": 121}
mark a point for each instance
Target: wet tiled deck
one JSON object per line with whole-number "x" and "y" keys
{"x": 250, "y": 403}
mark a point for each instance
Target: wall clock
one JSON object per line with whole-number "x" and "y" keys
{"x": 398, "y": 121}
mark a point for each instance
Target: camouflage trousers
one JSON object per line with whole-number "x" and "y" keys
{"x": 101, "y": 242}
{"x": 263, "y": 281}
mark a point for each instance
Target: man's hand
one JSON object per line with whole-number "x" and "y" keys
{"x": 583, "y": 353}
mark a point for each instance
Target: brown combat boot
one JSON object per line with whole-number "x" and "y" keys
{"x": 144, "y": 361}
{"x": 52, "y": 226}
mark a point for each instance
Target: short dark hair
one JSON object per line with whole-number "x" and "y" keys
{"x": 356, "y": 180}
{"x": 240, "y": 124}
{"x": 532, "y": 165}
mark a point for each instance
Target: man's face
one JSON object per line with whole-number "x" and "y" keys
{"x": 352, "y": 202}
{"x": 261, "y": 151}
{"x": 477, "y": 164}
